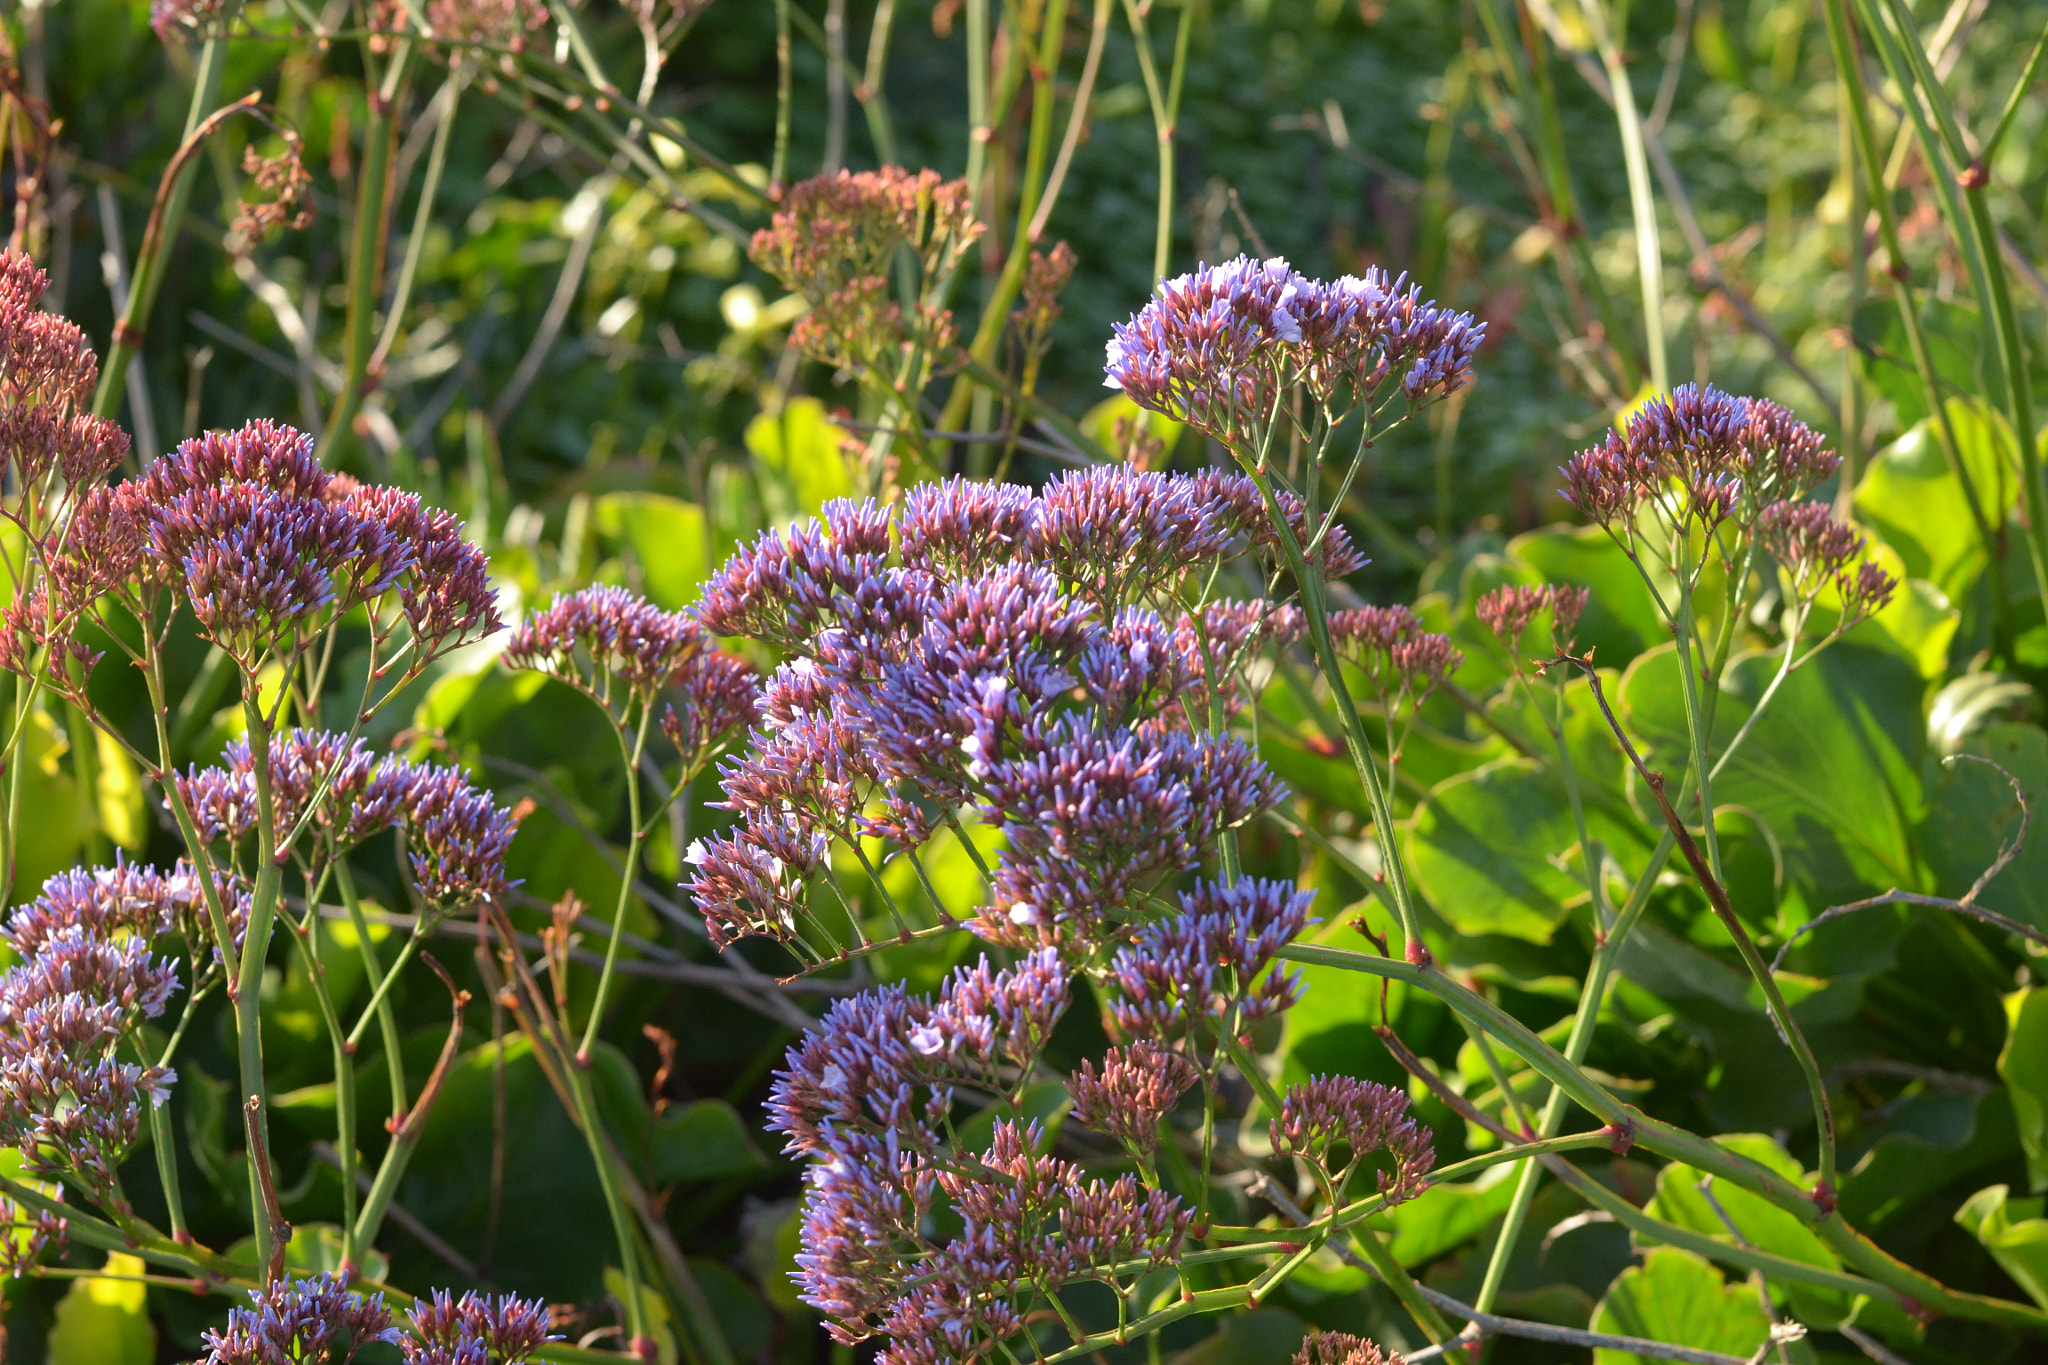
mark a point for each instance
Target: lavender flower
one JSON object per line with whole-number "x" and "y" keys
{"x": 782, "y": 588}
{"x": 1093, "y": 819}
{"x": 301, "y": 1321}
{"x": 1210, "y": 961}
{"x": 1341, "y": 1348}
{"x": 47, "y": 376}
{"x": 457, "y": 839}
{"x": 66, "y": 1103}
{"x": 1117, "y": 533}
{"x": 103, "y": 903}
{"x": 751, "y": 882}
{"x": 474, "y": 1330}
{"x": 964, "y": 527}
{"x": 1700, "y": 456}
{"x": 1137, "y": 1087}
{"x": 1330, "y": 1113}
{"x": 604, "y": 636}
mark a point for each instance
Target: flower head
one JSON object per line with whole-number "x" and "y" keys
{"x": 1210, "y": 961}
{"x": 1332, "y": 1113}
{"x": 604, "y": 635}
{"x": 474, "y": 1329}
{"x": 1137, "y": 1087}
{"x": 1341, "y": 1348}
{"x": 1510, "y": 610}
{"x": 307, "y": 1319}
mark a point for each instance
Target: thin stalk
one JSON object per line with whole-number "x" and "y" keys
{"x": 979, "y": 132}
{"x": 1077, "y": 119}
{"x": 626, "y": 875}
{"x": 379, "y": 1007}
{"x": 344, "y": 1086}
{"x": 869, "y": 92}
{"x": 1849, "y": 70}
{"x": 150, "y": 265}
{"x": 778, "y": 166}
{"x": 366, "y": 249}
{"x": 248, "y": 984}
{"x": 1649, "y": 248}
{"x": 1165, "y": 102}
{"x": 449, "y": 98}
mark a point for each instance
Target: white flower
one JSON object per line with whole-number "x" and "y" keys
{"x": 1023, "y": 912}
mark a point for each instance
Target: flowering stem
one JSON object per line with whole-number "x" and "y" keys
{"x": 778, "y": 165}
{"x": 344, "y": 1086}
{"x": 636, "y": 820}
{"x": 449, "y": 99}
{"x": 380, "y": 1007}
{"x": 248, "y": 983}
{"x": 1316, "y": 615}
{"x": 1165, "y": 112}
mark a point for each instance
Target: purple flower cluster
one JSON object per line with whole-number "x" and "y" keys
{"x": 1329, "y": 1113}
{"x": 1700, "y": 456}
{"x": 1404, "y": 662}
{"x": 1025, "y": 660}
{"x": 85, "y": 979}
{"x": 1218, "y": 347}
{"x": 267, "y": 549}
{"x": 476, "y": 1329}
{"x": 1209, "y": 963}
{"x": 457, "y": 835}
{"x": 865, "y": 1096}
{"x": 313, "y": 1319}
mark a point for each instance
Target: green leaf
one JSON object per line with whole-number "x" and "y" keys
{"x": 1934, "y": 1141}
{"x": 704, "y": 1140}
{"x": 799, "y": 454}
{"x": 1832, "y": 767}
{"x": 652, "y": 1307}
{"x": 103, "y": 1320}
{"x": 1100, "y": 424}
{"x": 1913, "y": 500}
{"x": 1691, "y": 1199}
{"x": 1488, "y": 849}
{"x": 2023, "y": 1065}
{"x": 1677, "y": 1297}
{"x": 2015, "y": 1234}
{"x": 667, "y": 541}
{"x": 1972, "y": 815}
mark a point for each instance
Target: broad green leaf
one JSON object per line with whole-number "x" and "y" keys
{"x": 1490, "y": 848}
{"x": 2015, "y": 1234}
{"x": 1913, "y": 500}
{"x": 1677, "y": 1297}
{"x": 1832, "y": 767}
{"x": 315, "y": 1249}
{"x": 703, "y": 1140}
{"x": 1972, "y": 815}
{"x": 666, "y": 539}
{"x": 1919, "y": 622}
{"x": 104, "y": 1319}
{"x": 799, "y": 451}
{"x": 1935, "y": 1141}
{"x": 2023, "y": 1065}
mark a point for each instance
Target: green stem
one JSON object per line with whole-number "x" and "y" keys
{"x": 1649, "y": 248}
{"x": 979, "y": 133}
{"x": 626, "y": 875}
{"x": 248, "y": 984}
{"x": 450, "y": 99}
{"x": 366, "y": 249}
{"x": 380, "y": 980}
{"x": 148, "y": 275}
{"x": 344, "y": 1087}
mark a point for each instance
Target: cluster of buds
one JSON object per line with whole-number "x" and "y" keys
{"x": 1818, "y": 552}
{"x": 86, "y": 978}
{"x": 329, "y": 793}
{"x": 1403, "y": 663}
{"x": 1030, "y": 660}
{"x": 1137, "y": 1087}
{"x": 268, "y": 550}
{"x": 1332, "y": 1114}
{"x": 866, "y": 1098}
{"x": 1509, "y": 611}
{"x": 47, "y": 376}
{"x": 835, "y": 242}
{"x": 319, "y": 1320}
{"x": 627, "y": 654}
{"x": 487, "y": 36}
{"x": 1220, "y": 348}
{"x": 1342, "y": 1348}
{"x": 1209, "y": 965}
